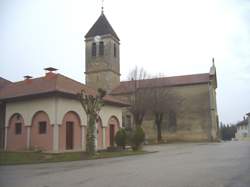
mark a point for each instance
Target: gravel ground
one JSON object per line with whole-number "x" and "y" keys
{"x": 225, "y": 164}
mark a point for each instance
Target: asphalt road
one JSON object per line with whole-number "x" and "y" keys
{"x": 175, "y": 165}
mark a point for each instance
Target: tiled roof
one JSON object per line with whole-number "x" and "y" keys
{"x": 4, "y": 82}
{"x": 242, "y": 123}
{"x": 101, "y": 27}
{"x": 129, "y": 86}
{"x": 49, "y": 84}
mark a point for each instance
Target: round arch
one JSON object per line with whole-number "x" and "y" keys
{"x": 70, "y": 132}
{"x": 41, "y": 132}
{"x": 113, "y": 127}
{"x": 16, "y": 133}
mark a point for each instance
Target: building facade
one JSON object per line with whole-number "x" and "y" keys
{"x": 243, "y": 128}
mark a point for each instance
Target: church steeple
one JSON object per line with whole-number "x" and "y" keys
{"x": 101, "y": 27}
{"x": 102, "y": 55}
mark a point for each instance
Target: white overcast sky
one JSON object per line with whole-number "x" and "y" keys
{"x": 171, "y": 37}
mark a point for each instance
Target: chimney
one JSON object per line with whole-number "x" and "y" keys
{"x": 50, "y": 72}
{"x": 28, "y": 79}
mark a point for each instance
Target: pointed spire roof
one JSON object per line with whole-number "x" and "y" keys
{"x": 101, "y": 27}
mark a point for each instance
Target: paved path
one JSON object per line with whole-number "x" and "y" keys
{"x": 175, "y": 165}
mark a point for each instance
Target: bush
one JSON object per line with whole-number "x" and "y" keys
{"x": 121, "y": 138}
{"x": 129, "y": 134}
{"x": 137, "y": 138}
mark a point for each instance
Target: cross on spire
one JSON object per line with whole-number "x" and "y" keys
{"x": 102, "y": 6}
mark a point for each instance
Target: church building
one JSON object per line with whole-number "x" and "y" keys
{"x": 45, "y": 113}
{"x": 196, "y": 119}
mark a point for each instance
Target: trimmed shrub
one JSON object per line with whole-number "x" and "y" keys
{"x": 137, "y": 138}
{"x": 129, "y": 135}
{"x": 121, "y": 138}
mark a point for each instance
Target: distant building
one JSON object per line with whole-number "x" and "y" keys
{"x": 248, "y": 117}
{"x": 243, "y": 128}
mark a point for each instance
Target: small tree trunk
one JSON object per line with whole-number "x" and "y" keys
{"x": 158, "y": 121}
{"x": 90, "y": 147}
{"x": 159, "y": 138}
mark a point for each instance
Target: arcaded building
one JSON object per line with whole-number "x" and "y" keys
{"x": 45, "y": 113}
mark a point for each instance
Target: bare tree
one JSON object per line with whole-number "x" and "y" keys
{"x": 150, "y": 97}
{"x": 92, "y": 106}
{"x": 138, "y": 99}
{"x": 163, "y": 101}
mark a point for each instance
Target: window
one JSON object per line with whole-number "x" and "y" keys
{"x": 93, "y": 49}
{"x": 128, "y": 121}
{"x": 18, "y": 128}
{"x": 42, "y": 127}
{"x": 114, "y": 50}
{"x": 101, "y": 48}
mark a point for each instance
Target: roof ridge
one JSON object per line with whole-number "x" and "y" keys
{"x": 20, "y": 81}
{"x": 167, "y": 77}
{"x": 70, "y": 78}
{"x": 6, "y": 80}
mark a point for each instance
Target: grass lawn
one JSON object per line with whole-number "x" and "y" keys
{"x": 8, "y": 158}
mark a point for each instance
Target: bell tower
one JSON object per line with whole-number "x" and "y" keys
{"x": 102, "y": 56}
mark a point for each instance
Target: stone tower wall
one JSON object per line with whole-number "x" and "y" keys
{"x": 103, "y": 71}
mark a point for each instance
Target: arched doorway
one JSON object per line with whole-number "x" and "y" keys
{"x": 70, "y": 132}
{"x": 17, "y": 133}
{"x": 41, "y": 132}
{"x": 113, "y": 127}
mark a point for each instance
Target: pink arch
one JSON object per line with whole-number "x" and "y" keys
{"x": 114, "y": 123}
{"x": 16, "y": 142}
{"x": 42, "y": 141}
{"x": 70, "y": 116}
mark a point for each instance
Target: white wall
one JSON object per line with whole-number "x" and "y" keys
{"x": 56, "y": 108}
{"x": 65, "y": 105}
{"x": 28, "y": 108}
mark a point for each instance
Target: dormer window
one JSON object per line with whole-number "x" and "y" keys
{"x": 114, "y": 50}
{"x": 101, "y": 48}
{"x": 94, "y": 49}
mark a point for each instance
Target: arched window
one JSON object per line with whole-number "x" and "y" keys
{"x": 101, "y": 48}
{"x": 93, "y": 49}
{"x": 114, "y": 50}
